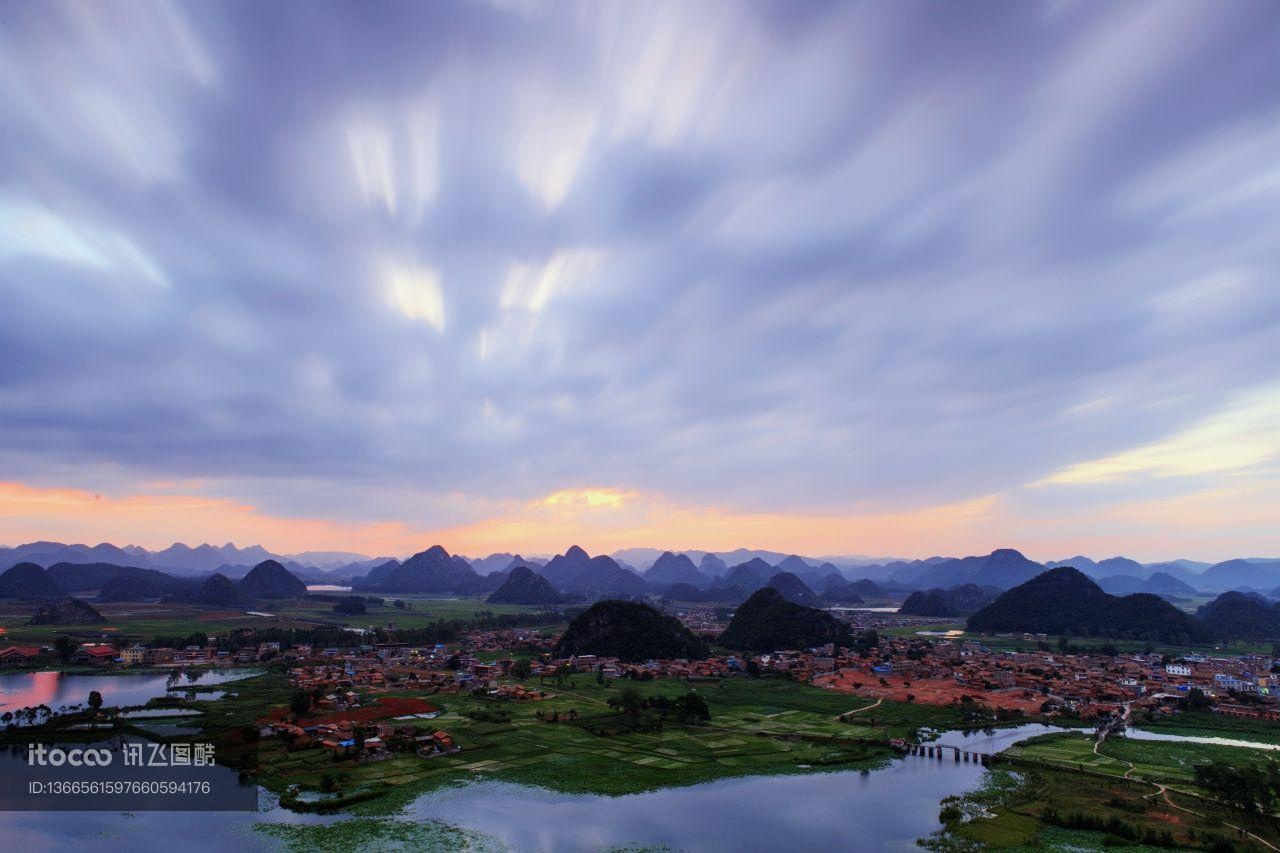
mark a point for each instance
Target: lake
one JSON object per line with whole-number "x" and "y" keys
{"x": 54, "y": 689}
{"x": 886, "y": 809}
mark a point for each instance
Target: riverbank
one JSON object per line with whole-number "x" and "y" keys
{"x": 571, "y": 747}
{"x": 1122, "y": 791}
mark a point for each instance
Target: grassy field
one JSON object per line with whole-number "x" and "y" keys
{"x": 570, "y": 757}
{"x": 1172, "y": 763}
{"x": 135, "y": 621}
{"x": 1020, "y": 809}
{"x": 1017, "y": 643}
{"x": 1207, "y": 724}
{"x": 1163, "y": 762}
{"x": 765, "y": 726}
{"x": 1123, "y": 646}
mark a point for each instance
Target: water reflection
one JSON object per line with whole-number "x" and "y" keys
{"x": 60, "y": 692}
{"x": 885, "y": 809}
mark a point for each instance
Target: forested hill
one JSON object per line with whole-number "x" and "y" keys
{"x": 630, "y": 631}
{"x": 956, "y": 601}
{"x": 767, "y": 621}
{"x": 1065, "y": 601}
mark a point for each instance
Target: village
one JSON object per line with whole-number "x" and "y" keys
{"x": 367, "y": 701}
{"x": 510, "y": 664}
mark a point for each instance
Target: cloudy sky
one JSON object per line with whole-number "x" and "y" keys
{"x": 875, "y": 278}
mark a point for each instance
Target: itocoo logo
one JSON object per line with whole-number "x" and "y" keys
{"x": 38, "y": 755}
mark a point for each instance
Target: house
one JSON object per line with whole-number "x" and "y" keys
{"x": 140, "y": 654}
{"x": 437, "y": 744}
{"x": 375, "y": 748}
{"x": 339, "y": 748}
{"x": 96, "y": 655}
{"x": 18, "y": 655}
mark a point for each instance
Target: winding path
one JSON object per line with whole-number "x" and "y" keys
{"x": 1163, "y": 791}
{"x": 875, "y": 704}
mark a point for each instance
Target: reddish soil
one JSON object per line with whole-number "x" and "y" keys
{"x": 930, "y": 691}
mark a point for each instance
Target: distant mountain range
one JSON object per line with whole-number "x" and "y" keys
{"x": 178, "y": 558}
{"x": 269, "y": 580}
{"x": 577, "y": 572}
{"x": 642, "y": 559}
{"x": 1160, "y": 583}
{"x": 637, "y": 571}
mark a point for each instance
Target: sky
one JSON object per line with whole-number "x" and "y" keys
{"x": 868, "y": 278}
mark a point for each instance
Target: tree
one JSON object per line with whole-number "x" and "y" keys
{"x": 350, "y": 606}
{"x": 1197, "y": 700}
{"x": 692, "y": 708}
{"x": 630, "y": 701}
{"x": 867, "y": 642}
{"x": 66, "y": 647}
{"x": 95, "y": 700}
{"x": 300, "y": 703}
{"x": 1249, "y": 788}
{"x": 521, "y": 669}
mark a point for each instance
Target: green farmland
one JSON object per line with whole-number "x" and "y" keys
{"x": 142, "y": 621}
{"x": 750, "y": 733}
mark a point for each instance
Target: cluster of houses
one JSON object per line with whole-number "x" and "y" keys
{"x": 938, "y": 670}
{"x": 138, "y": 654}
{"x": 90, "y": 654}
{"x": 1083, "y": 683}
{"x": 363, "y": 740}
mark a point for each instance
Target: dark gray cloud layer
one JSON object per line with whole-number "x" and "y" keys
{"x": 768, "y": 255}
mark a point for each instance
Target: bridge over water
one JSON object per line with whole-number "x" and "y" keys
{"x": 940, "y": 751}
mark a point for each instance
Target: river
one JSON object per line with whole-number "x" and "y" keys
{"x": 885, "y": 809}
